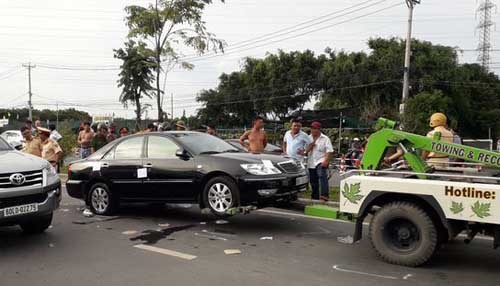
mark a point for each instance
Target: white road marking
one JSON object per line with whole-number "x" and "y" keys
{"x": 304, "y": 216}
{"x": 336, "y": 267}
{"x": 165, "y": 251}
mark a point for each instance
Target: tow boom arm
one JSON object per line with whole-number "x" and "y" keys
{"x": 387, "y": 136}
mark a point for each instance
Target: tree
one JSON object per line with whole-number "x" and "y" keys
{"x": 420, "y": 108}
{"x": 170, "y": 25}
{"x": 272, "y": 86}
{"x": 136, "y": 75}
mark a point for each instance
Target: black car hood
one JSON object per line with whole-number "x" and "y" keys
{"x": 15, "y": 161}
{"x": 252, "y": 158}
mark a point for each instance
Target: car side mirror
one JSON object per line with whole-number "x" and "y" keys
{"x": 181, "y": 153}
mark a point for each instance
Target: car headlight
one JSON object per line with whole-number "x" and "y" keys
{"x": 260, "y": 169}
{"x": 51, "y": 171}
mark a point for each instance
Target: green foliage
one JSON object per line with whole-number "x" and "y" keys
{"x": 170, "y": 26}
{"x": 21, "y": 114}
{"x": 136, "y": 76}
{"x": 69, "y": 137}
{"x": 274, "y": 85}
{"x": 352, "y": 193}
{"x": 481, "y": 210}
{"x": 369, "y": 83}
{"x": 456, "y": 208}
{"x": 419, "y": 109}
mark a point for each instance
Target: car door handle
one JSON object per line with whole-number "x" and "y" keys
{"x": 104, "y": 165}
{"x": 147, "y": 165}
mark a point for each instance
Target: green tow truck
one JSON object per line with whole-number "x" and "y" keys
{"x": 415, "y": 210}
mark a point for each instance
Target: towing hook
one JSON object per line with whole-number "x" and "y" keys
{"x": 470, "y": 236}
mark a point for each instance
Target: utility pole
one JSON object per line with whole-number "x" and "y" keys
{"x": 30, "y": 106}
{"x": 406, "y": 77}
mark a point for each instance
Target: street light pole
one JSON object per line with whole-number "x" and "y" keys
{"x": 406, "y": 77}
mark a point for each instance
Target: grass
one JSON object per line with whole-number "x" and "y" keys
{"x": 334, "y": 194}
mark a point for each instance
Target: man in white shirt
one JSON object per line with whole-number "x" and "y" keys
{"x": 296, "y": 141}
{"x": 320, "y": 152}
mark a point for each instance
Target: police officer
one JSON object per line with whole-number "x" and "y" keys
{"x": 438, "y": 122}
{"x": 51, "y": 151}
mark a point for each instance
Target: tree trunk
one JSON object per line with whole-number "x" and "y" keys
{"x": 138, "y": 113}
{"x": 158, "y": 90}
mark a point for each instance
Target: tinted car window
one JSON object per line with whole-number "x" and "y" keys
{"x": 161, "y": 148}
{"x": 201, "y": 143}
{"x": 129, "y": 149}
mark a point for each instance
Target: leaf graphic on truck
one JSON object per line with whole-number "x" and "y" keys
{"x": 481, "y": 210}
{"x": 456, "y": 208}
{"x": 352, "y": 193}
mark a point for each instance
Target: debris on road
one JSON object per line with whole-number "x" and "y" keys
{"x": 51, "y": 245}
{"x": 203, "y": 222}
{"x": 221, "y": 221}
{"x": 232, "y": 251}
{"x": 87, "y": 213}
{"x": 210, "y": 237}
{"x": 345, "y": 239}
{"x": 266, "y": 238}
{"x": 205, "y": 211}
{"x": 164, "y": 224}
{"x": 130, "y": 232}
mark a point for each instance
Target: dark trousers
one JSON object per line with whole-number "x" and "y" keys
{"x": 318, "y": 178}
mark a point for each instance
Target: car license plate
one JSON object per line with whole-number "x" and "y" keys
{"x": 19, "y": 210}
{"x": 301, "y": 180}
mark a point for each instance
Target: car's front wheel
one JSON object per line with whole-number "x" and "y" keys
{"x": 37, "y": 225}
{"x": 101, "y": 200}
{"x": 220, "y": 195}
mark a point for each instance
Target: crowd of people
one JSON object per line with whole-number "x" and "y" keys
{"x": 315, "y": 150}
{"x": 42, "y": 142}
{"x": 89, "y": 141}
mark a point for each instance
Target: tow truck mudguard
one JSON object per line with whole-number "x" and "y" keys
{"x": 381, "y": 197}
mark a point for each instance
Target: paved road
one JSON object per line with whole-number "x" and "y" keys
{"x": 181, "y": 246}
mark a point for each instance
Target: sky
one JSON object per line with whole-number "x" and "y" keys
{"x": 71, "y": 43}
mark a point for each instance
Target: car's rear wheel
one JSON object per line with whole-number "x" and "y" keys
{"x": 220, "y": 195}
{"x": 37, "y": 225}
{"x": 101, "y": 200}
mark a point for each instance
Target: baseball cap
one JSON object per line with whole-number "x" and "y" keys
{"x": 316, "y": 125}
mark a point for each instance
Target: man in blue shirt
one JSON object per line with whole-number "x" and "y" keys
{"x": 295, "y": 141}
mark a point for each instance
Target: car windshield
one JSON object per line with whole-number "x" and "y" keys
{"x": 201, "y": 143}
{"x": 4, "y": 146}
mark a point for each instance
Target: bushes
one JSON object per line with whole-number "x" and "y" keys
{"x": 69, "y": 137}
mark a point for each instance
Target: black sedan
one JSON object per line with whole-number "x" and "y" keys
{"x": 182, "y": 167}
{"x": 270, "y": 148}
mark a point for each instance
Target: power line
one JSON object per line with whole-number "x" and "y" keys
{"x": 201, "y": 58}
{"x": 292, "y": 29}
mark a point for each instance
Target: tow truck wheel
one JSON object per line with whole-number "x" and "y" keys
{"x": 402, "y": 233}
{"x": 37, "y": 225}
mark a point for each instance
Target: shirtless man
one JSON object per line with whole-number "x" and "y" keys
{"x": 85, "y": 139}
{"x": 256, "y": 137}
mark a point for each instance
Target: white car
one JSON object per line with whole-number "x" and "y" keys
{"x": 13, "y": 137}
